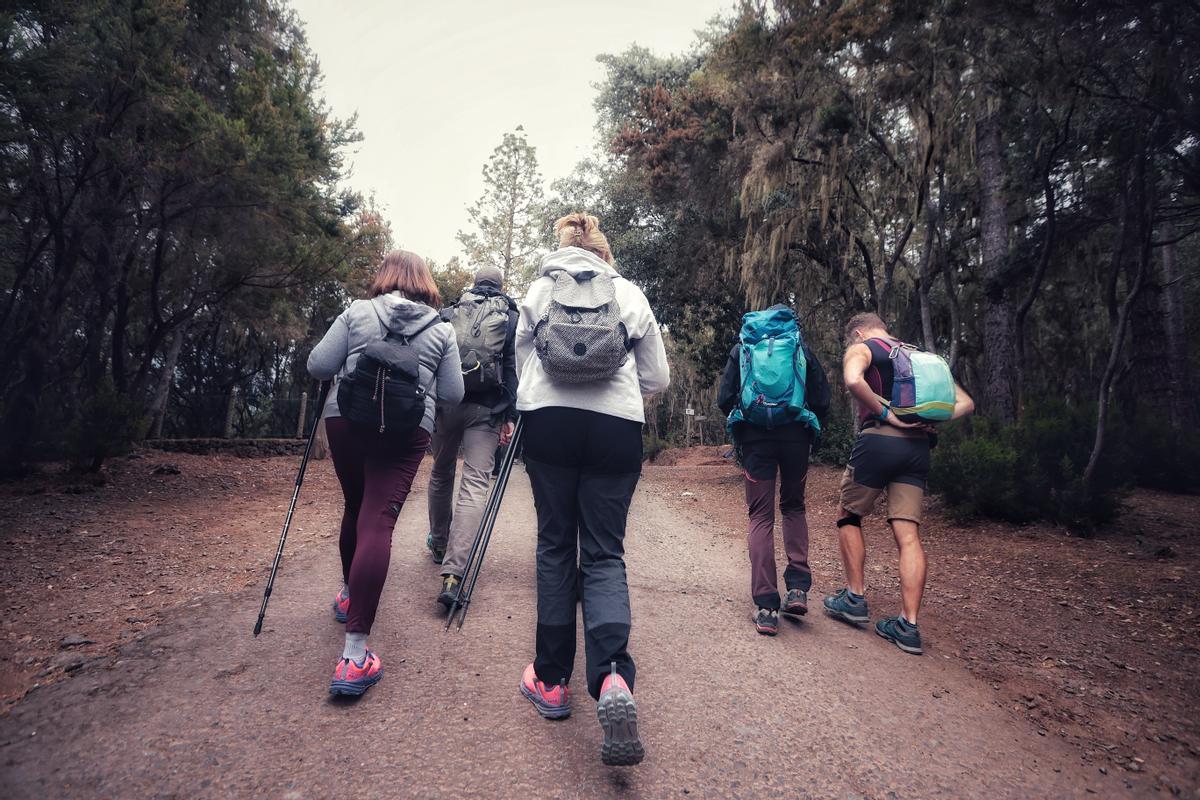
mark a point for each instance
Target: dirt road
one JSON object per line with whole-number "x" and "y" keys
{"x": 199, "y": 708}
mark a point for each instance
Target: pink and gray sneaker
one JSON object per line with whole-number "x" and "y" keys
{"x": 552, "y": 702}
{"x": 352, "y": 679}
{"x": 618, "y": 716}
{"x": 341, "y": 605}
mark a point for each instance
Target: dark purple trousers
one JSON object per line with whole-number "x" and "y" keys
{"x": 376, "y": 472}
{"x": 769, "y": 464}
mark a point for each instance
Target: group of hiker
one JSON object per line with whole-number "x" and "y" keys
{"x": 575, "y": 359}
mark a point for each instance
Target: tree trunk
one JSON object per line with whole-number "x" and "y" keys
{"x": 162, "y": 394}
{"x": 1181, "y": 408}
{"x": 925, "y": 275}
{"x": 999, "y": 322}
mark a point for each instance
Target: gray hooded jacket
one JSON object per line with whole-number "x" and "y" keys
{"x": 362, "y": 323}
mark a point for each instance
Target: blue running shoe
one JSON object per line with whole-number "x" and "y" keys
{"x": 900, "y": 632}
{"x": 844, "y": 607}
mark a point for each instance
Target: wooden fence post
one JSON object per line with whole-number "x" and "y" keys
{"x": 233, "y": 393}
{"x": 303, "y": 414}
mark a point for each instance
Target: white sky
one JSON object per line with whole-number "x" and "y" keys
{"x": 436, "y": 86}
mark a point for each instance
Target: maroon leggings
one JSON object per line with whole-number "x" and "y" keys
{"x": 376, "y": 471}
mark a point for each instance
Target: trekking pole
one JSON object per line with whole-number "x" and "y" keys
{"x": 287, "y": 522}
{"x": 484, "y": 535}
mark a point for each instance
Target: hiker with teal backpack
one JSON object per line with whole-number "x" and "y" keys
{"x": 901, "y": 393}
{"x": 485, "y": 324}
{"x": 775, "y": 394}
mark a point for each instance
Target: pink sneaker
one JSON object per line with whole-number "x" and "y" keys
{"x": 341, "y": 605}
{"x": 352, "y": 679}
{"x": 552, "y": 702}
{"x": 618, "y": 716}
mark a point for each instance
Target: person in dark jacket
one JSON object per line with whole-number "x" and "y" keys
{"x": 485, "y": 418}
{"x": 768, "y": 455}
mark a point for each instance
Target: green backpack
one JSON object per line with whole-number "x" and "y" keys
{"x": 480, "y": 324}
{"x": 922, "y": 384}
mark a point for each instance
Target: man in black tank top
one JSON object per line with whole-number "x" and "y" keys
{"x": 890, "y": 456}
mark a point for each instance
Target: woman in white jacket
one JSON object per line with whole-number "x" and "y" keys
{"x": 583, "y": 453}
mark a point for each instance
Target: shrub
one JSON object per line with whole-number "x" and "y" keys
{"x": 107, "y": 425}
{"x": 837, "y": 440}
{"x": 1030, "y": 471}
{"x": 652, "y": 446}
{"x": 1160, "y": 457}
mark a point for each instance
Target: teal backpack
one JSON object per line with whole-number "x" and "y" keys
{"x": 773, "y": 371}
{"x": 922, "y": 385}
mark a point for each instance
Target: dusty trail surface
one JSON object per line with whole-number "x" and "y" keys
{"x": 192, "y": 706}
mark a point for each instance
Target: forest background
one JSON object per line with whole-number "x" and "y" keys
{"x": 1015, "y": 185}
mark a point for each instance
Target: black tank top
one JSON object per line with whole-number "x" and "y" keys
{"x": 879, "y": 374}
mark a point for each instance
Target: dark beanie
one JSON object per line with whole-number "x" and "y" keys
{"x": 489, "y": 275}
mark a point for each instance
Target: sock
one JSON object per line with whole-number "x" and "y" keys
{"x": 858, "y": 598}
{"x": 904, "y": 623}
{"x": 356, "y": 648}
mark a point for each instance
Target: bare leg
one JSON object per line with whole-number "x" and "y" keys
{"x": 912, "y": 566}
{"x": 854, "y": 554}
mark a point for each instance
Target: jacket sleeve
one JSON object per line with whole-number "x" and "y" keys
{"x": 654, "y": 374}
{"x": 329, "y": 356}
{"x": 817, "y": 395}
{"x": 527, "y": 318}
{"x": 449, "y": 372}
{"x": 731, "y": 381}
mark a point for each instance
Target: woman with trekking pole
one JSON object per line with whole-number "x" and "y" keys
{"x": 588, "y": 351}
{"x": 392, "y": 360}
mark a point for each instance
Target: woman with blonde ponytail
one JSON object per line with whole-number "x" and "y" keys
{"x": 588, "y": 351}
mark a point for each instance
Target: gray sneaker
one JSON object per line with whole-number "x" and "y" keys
{"x": 901, "y": 633}
{"x": 844, "y": 607}
{"x": 766, "y": 621}
{"x": 438, "y": 554}
{"x": 796, "y": 603}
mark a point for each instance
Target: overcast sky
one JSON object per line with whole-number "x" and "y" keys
{"x": 437, "y": 84}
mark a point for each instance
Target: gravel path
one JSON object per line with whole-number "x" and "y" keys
{"x": 199, "y": 708}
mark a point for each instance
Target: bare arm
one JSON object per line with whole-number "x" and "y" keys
{"x": 963, "y": 404}
{"x": 854, "y": 371}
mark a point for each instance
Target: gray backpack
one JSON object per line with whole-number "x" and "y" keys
{"x": 480, "y": 324}
{"x": 580, "y": 338}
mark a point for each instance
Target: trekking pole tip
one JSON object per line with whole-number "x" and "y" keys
{"x": 258, "y": 627}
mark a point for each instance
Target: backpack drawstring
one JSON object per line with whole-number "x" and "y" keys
{"x": 381, "y": 376}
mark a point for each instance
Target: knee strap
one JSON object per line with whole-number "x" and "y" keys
{"x": 850, "y": 519}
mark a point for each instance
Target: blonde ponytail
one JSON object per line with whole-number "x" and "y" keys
{"x": 583, "y": 231}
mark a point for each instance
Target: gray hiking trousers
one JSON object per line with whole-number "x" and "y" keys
{"x": 454, "y": 523}
{"x": 583, "y": 467}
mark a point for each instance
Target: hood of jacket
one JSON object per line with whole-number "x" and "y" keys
{"x": 581, "y": 264}
{"x": 401, "y": 315}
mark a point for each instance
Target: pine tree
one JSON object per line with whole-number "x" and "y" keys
{"x": 508, "y": 214}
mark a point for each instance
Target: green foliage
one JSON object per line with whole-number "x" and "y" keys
{"x": 837, "y": 438}
{"x": 451, "y": 279}
{"x": 106, "y": 426}
{"x": 1030, "y": 471}
{"x": 174, "y": 224}
{"x": 652, "y": 446}
{"x": 1159, "y": 457}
